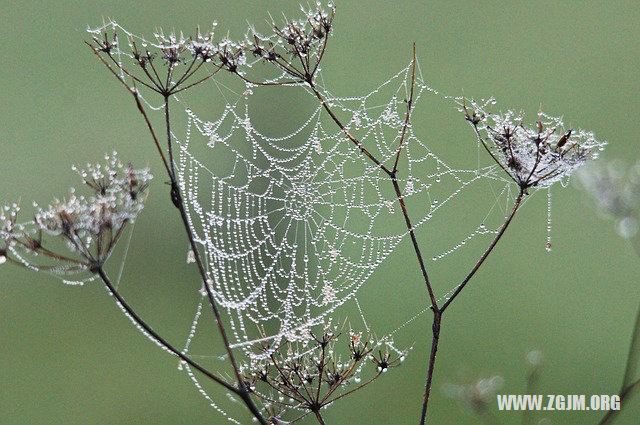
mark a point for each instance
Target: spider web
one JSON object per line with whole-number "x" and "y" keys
{"x": 292, "y": 226}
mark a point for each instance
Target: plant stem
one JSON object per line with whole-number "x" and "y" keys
{"x": 628, "y": 383}
{"x": 179, "y": 203}
{"x": 138, "y": 320}
{"x": 484, "y": 256}
{"x": 319, "y": 418}
{"x": 169, "y": 147}
{"x": 437, "y": 320}
{"x": 416, "y": 246}
{"x": 176, "y": 198}
{"x": 345, "y": 131}
{"x": 623, "y": 394}
{"x": 437, "y": 312}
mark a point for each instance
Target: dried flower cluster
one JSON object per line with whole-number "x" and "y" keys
{"x": 8, "y": 230}
{"x": 532, "y": 156}
{"x": 174, "y": 50}
{"x": 90, "y": 226}
{"x": 306, "y": 377}
{"x": 616, "y": 191}
{"x": 295, "y": 47}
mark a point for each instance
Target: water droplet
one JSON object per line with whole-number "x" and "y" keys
{"x": 628, "y": 227}
{"x": 191, "y": 257}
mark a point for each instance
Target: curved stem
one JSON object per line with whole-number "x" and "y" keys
{"x": 623, "y": 394}
{"x": 345, "y": 131}
{"x": 176, "y": 197}
{"x": 179, "y": 203}
{"x": 484, "y": 256}
{"x": 138, "y": 320}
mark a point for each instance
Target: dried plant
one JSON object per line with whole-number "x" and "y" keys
{"x": 308, "y": 377}
{"x": 531, "y": 158}
{"x": 295, "y": 370}
{"x": 479, "y": 395}
{"x": 615, "y": 189}
{"x": 90, "y": 226}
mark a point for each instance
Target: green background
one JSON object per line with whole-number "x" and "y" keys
{"x": 68, "y": 356}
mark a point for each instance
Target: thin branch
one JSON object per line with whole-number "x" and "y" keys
{"x": 345, "y": 131}
{"x": 133, "y": 77}
{"x": 484, "y": 256}
{"x": 319, "y": 418}
{"x": 169, "y": 147}
{"x": 628, "y": 383}
{"x": 203, "y": 79}
{"x": 131, "y": 312}
{"x": 437, "y": 320}
{"x": 242, "y": 391}
{"x": 408, "y": 116}
{"x": 416, "y": 247}
{"x": 299, "y": 418}
{"x": 484, "y": 144}
{"x": 135, "y": 94}
{"x": 376, "y": 376}
{"x": 623, "y": 395}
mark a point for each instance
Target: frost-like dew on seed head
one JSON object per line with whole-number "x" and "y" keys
{"x": 70, "y": 236}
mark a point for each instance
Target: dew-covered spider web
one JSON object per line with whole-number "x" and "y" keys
{"x": 293, "y": 225}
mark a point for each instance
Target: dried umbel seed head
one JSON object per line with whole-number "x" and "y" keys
{"x": 230, "y": 54}
{"x": 295, "y": 47}
{"x": 117, "y": 198}
{"x": 310, "y": 375}
{"x": 181, "y": 58}
{"x": 535, "y": 156}
{"x": 90, "y": 225}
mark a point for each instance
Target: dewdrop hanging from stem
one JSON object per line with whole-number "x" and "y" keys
{"x": 548, "y": 245}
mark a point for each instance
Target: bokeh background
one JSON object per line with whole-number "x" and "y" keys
{"x": 68, "y": 356}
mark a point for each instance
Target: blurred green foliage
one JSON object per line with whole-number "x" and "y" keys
{"x": 68, "y": 356}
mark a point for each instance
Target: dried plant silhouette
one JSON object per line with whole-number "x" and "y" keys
{"x": 296, "y": 371}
